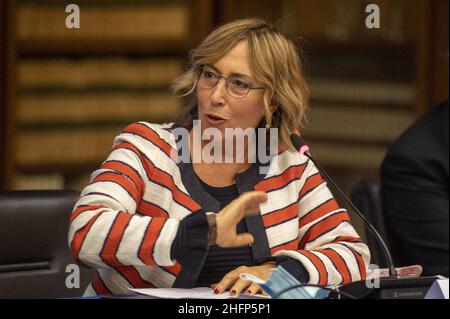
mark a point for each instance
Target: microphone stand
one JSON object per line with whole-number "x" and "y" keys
{"x": 370, "y": 227}
{"x": 392, "y": 287}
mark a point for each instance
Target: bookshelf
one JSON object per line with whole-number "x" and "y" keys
{"x": 76, "y": 89}
{"x": 55, "y": 83}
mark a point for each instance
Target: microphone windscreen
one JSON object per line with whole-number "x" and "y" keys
{"x": 299, "y": 143}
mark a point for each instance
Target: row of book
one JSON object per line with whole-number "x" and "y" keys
{"x": 362, "y": 91}
{"x": 324, "y": 19}
{"x": 357, "y": 123}
{"x": 111, "y": 107}
{"x": 343, "y": 156}
{"x": 346, "y": 20}
{"x": 39, "y": 181}
{"x": 336, "y": 20}
{"x": 64, "y": 148}
{"x": 97, "y": 72}
{"x": 51, "y": 181}
{"x": 103, "y": 21}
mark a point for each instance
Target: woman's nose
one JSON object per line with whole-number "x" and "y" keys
{"x": 219, "y": 91}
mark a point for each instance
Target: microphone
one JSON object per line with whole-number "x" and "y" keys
{"x": 392, "y": 286}
{"x": 303, "y": 148}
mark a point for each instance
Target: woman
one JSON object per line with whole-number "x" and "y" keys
{"x": 149, "y": 220}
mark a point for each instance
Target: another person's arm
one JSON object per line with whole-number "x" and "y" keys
{"x": 415, "y": 181}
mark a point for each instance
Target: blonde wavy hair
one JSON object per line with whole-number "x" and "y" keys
{"x": 274, "y": 61}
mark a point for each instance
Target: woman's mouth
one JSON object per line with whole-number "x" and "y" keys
{"x": 214, "y": 119}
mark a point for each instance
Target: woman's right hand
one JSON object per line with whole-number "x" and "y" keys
{"x": 229, "y": 217}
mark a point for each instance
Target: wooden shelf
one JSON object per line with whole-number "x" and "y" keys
{"x": 93, "y": 47}
{"x": 7, "y": 94}
{"x": 355, "y": 141}
{"x": 372, "y": 47}
{"x": 69, "y": 169}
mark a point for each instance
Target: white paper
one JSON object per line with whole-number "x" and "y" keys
{"x": 439, "y": 290}
{"x": 182, "y": 293}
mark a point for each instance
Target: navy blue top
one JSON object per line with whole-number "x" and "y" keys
{"x": 221, "y": 261}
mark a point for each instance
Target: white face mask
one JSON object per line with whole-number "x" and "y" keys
{"x": 281, "y": 280}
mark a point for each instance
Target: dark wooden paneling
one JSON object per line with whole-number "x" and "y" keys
{"x": 7, "y": 85}
{"x": 439, "y": 53}
{"x": 202, "y": 20}
{"x": 432, "y": 54}
{"x": 237, "y": 9}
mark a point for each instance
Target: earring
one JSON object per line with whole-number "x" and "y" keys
{"x": 267, "y": 125}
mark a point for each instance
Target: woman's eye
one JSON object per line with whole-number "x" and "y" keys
{"x": 240, "y": 84}
{"x": 209, "y": 74}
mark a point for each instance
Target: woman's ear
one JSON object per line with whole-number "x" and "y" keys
{"x": 273, "y": 109}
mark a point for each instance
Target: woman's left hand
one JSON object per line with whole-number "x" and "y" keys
{"x": 236, "y": 285}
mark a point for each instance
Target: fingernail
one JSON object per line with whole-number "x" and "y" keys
{"x": 233, "y": 292}
{"x": 216, "y": 291}
{"x": 248, "y": 292}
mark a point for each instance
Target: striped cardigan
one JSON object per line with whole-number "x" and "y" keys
{"x": 125, "y": 221}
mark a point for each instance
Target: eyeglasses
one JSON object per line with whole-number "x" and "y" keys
{"x": 236, "y": 87}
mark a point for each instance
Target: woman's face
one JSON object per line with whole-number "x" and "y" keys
{"x": 216, "y": 102}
